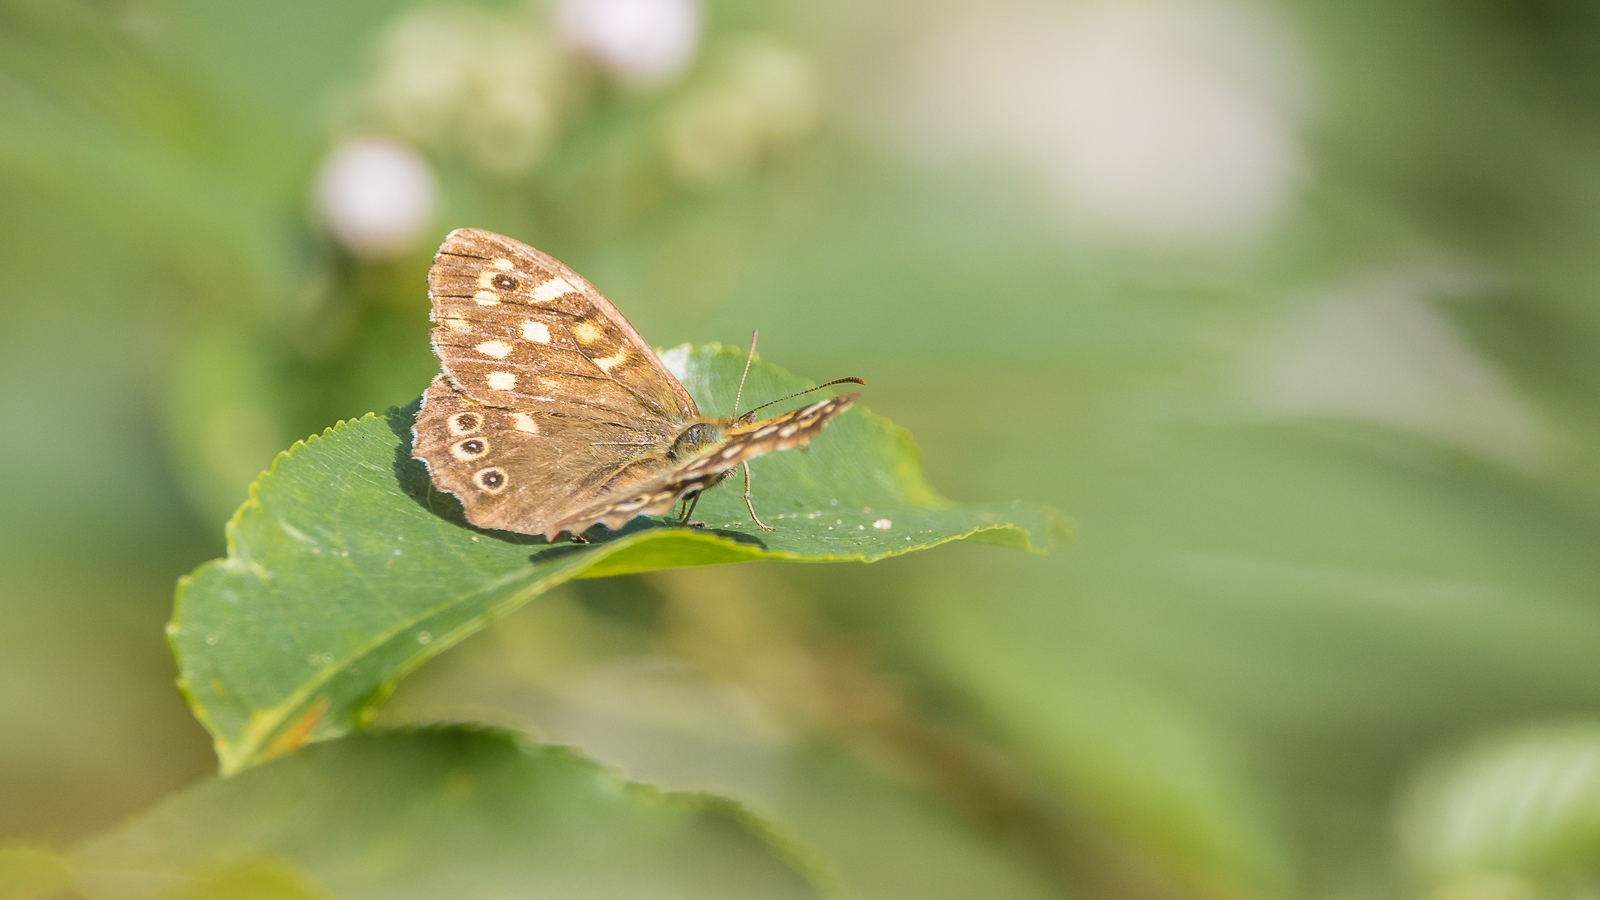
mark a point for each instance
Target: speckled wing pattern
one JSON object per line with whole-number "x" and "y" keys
{"x": 516, "y": 329}
{"x": 552, "y": 414}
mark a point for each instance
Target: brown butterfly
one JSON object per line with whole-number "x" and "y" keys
{"x": 552, "y": 414}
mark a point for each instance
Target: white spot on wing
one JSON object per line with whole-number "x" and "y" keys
{"x": 487, "y": 479}
{"x": 607, "y": 363}
{"x": 486, "y": 298}
{"x": 503, "y": 263}
{"x": 538, "y": 332}
{"x": 502, "y": 381}
{"x": 525, "y": 423}
{"x": 552, "y": 289}
{"x": 496, "y": 349}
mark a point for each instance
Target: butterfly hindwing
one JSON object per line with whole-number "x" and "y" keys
{"x": 519, "y": 470}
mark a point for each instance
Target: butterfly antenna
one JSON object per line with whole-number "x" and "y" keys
{"x": 753, "y": 335}
{"x": 808, "y": 390}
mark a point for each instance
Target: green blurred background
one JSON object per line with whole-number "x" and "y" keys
{"x": 1294, "y": 308}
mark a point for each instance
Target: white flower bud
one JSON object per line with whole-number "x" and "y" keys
{"x": 376, "y": 195}
{"x": 642, "y": 41}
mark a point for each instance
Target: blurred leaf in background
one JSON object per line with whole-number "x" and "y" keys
{"x": 1514, "y": 813}
{"x": 1290, "y": 306}
{"x": 441, "y": 812}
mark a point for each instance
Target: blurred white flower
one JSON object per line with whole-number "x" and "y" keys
{"x": 484, "y": 84}
{"x": 645, "y": 42}
{"x": 1170, "y": 121}
{"x": 376, "y": 196}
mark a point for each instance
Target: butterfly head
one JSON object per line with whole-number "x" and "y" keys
{"x": 694, "y": 439}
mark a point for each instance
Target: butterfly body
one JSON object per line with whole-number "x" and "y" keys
{"x": 552, "y": 414}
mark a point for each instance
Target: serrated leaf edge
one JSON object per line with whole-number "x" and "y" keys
{"x": 266, "y": 724}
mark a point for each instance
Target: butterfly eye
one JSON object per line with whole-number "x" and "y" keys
{"x": 504, "y": 282}
{"x": 491, "y": 480}
{"x": 471, "y": 448}
{"x": 466, "y": 423}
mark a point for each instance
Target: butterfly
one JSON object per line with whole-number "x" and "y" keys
{"x": 553, "y": 415}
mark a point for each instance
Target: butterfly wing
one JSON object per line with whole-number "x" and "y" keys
{"x": 741, "y": 443}
{"x": 516, "y": 329}
{"x": 553, "y": 414}
{"x": 522, "y": 470}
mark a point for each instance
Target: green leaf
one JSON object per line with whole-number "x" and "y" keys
{"x": 439, "y": 812}
{"x": 1523, "y": 804}
{"x": 27, "y": 873}
{"x": 346, "y": 570}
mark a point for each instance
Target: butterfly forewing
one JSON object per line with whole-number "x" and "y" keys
{"x": 514, "y": 328}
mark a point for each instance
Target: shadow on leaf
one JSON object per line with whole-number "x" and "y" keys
{"x": 412, "y": 476}
{"x": 414, "y": 481}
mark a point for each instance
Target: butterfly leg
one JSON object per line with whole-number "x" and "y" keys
{"x": 689, "y": 503}
{"x": 751, "y": 506}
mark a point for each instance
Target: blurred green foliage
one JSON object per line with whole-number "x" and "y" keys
{"x": 443, "y": 811}
{"x": 1334, "y": 483}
